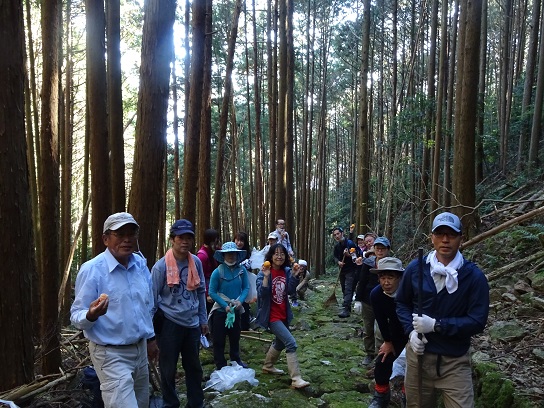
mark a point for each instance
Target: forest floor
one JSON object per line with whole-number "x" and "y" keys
{"x": 330, "y": 352}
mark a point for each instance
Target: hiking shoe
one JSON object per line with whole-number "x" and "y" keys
{"x": 368, "y": 360}
{"x": 344, "y": 313}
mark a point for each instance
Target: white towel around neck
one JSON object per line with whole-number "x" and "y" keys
{"x": 445, "y": 275}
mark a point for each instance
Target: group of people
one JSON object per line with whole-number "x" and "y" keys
{"x": 426, "y": 313}
{"x": 132, "y": 316}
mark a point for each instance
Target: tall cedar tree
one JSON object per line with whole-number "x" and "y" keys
{"x": 204, "y": 161}
{"x": 98, "y": 125}
{"x": 50, "y": 187}
{"x": 464, "y": 189}
{"x": 223, "y": 121}
{"x": 16, "y": 244}
{"x": 192, "y": 139}
{"x": 115, "y": 106}
{"x": 150, "y": 149}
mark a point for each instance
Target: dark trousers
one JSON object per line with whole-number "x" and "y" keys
{"x": 173, "y": 341}
{"x": 346, "y": 281}
{"x": 383, "y": 370}
{"x": 219, "y": 336}
{"x": 245, "y": 317}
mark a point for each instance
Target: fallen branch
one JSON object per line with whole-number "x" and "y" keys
{"x": 514, "y": 266}
{"x": 493, "y": 231}
{"x": 45, "y": 387}
{"x": 246, "y": 336}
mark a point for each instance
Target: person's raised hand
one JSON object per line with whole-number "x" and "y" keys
{"x": 98, "y": 307}
{"x": 266, "y": 268}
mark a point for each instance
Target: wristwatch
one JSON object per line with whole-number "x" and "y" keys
{"x": 437, "y": 327}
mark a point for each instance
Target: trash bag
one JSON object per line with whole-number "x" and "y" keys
{"x": 228, "y": 376}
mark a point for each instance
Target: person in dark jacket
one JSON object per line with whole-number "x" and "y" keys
{"x": 371, "y": 338}
{"x": 274, "y": 283}
{"x": 455, "y": 306}
{"x": 345, "y": 254}
{"x": 389, "y": 272}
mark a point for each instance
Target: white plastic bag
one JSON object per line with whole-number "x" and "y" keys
{"x": 225, "y": 378}
{"x": 257, "y": 258}
{"x": 252, "y": 294}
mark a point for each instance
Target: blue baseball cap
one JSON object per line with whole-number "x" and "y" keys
{"x": 181, "y": 227}
{"x": 382, "y": 241}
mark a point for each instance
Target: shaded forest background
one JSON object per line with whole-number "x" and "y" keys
{"x": 234, "y": 114}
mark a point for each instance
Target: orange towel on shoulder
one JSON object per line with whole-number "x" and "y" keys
{"x": 172, "y": 272}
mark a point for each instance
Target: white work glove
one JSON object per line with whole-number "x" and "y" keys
{"x": 423, "y": 324}
{"x": 417, "y": 344}
{"x": 357, "y": 307}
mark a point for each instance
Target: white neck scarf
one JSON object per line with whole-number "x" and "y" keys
{"x": 449, "y": 272}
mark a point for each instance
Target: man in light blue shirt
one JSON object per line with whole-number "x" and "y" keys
{"x": 113, "y": 304}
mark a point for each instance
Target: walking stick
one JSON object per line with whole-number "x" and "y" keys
{"x": 420, "y": 313}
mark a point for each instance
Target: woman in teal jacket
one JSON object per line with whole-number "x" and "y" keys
{"x": 229, "y": 286}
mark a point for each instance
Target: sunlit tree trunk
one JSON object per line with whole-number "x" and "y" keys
{"x": 194, "y": 112}
{"x": 175, "y": 129}
{"x": 16, "y": 241}
{"x": 66, "y": 157}
{"x": 115, "y": 106}
{"x": 33, "y": 158}
{"x": 259, "y": 185}
{"x": 150, "y": 148}
{"x": 224, "y": 114}
{"x": 279, "y": 166}
{"x": 271, "y": 50}
{"x": 363, "y": 170}
{"x": 50, "y": 188}
{"x": 288, "y": 153}
{"x": 98, "y": 122}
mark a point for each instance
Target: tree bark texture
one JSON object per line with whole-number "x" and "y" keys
{"x": 50, "y": 188}
{"x": 192, "y": 139}
{"x": 16, "y": 243}
{"x": 98, "y": 121}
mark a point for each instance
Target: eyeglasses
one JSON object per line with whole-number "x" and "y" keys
{"x": 448, "y": 234}
{"x": 130, "y": 235}
{"x": 279, "y": 255}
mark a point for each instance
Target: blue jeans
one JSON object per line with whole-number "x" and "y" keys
{"x": 173, "y": 341}
{"x": 284, "y": 339}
